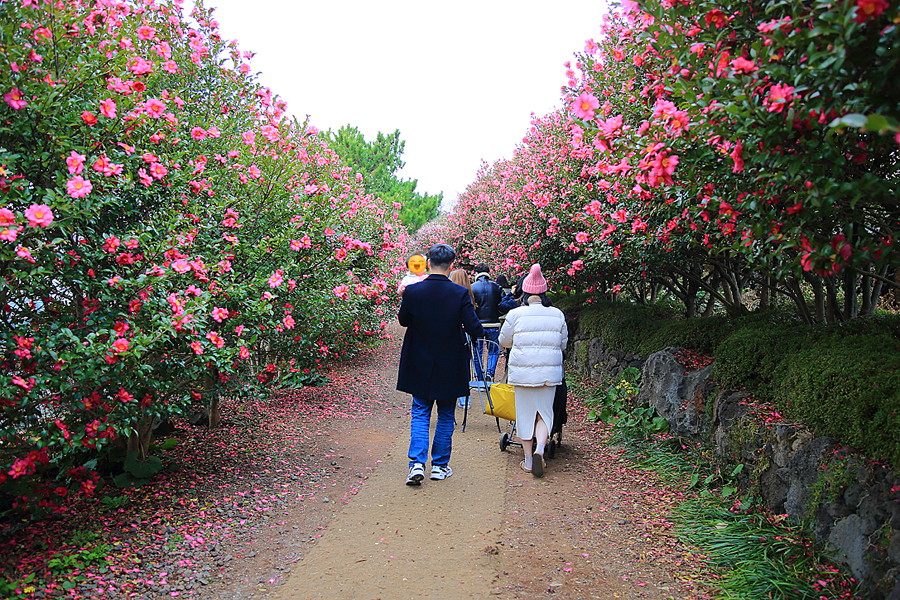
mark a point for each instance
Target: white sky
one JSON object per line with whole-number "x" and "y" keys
{"x": 458, "y": 79}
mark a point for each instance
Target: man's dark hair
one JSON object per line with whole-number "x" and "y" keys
{"x": 518, "y": 292}
{"x": 502, "y": 281}
{"x": 482, "y": 268}
{"x": 441, "y": 256}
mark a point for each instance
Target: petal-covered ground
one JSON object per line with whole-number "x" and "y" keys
{"x": 238, "y": 507}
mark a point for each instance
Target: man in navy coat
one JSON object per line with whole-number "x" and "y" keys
{"x": 434, "y": 361}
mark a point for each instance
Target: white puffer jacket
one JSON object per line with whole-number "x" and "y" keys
{"x": 537, "y": 335}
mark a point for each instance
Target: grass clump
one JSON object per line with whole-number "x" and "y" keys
{"x": 759, "y": 556}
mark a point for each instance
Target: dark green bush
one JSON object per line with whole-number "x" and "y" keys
{"x": 847, "y": 388}
{"x": 842, "y": 381}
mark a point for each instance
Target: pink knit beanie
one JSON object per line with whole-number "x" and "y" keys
{"x": 535, "y": 282}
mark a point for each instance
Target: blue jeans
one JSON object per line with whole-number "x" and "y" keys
{"x": 493, "y": 352}
{"x": 443, "y": 433}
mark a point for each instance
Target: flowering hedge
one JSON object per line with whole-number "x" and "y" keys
{"x": 162, "y": 224}
{"x": 708, "y": 148}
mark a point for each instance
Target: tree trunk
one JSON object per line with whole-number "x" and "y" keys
{"x": 139, "y": 441}
{"x": 215, "y": 415}
{"x": 832, "y": 311}
{"x": 865, "y": 291}
{"x": 795, "y": 292}
{"x": 851, "y": 303}
{"x": 764, "y": 294}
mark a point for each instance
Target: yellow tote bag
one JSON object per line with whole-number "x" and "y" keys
{"x": 503, "y": 399}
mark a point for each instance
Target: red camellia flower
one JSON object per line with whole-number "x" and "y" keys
{"x": 869, "y": 9}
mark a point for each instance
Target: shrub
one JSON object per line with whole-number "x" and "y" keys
{"x": 847, "y": 388}
{"x": 843, "y": 382}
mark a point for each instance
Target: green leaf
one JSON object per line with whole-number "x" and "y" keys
{"x": 142, "y": 469}
{"x": 876, "y": 122}
{"x": 853, "y": 120}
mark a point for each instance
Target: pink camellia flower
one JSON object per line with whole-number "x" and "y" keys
{"x": 239, "y": 330}
{"x": 39, "y": 215}
{"x": 197, "y": 348}
{"x": 295, "y": 244}
{"x": 869, "y": 9}
{"x": 244, "y": 353}
{"x": 6, "y": 217}
{"x": 340, "y": 254}
{"x": 120, "y": 345}
{"x": 78, "y": 187}
{"x": 742, "y": 65}
{"x": 158, "y": 171}
{"x": 145, "y": 32}
{"x": 663, "y": 167}
{"x": 75, "y": 162}
{"x": 780, "y": 96}
{"x": 342, "y": 291}
{"x": 581, "y": 237}
{"x": 139, "y": 66}
{"x": 181, "y": 266}
{"x": 276, "y": 279}
{"x": 89, "y": 118}
{"x": 288, "y": 322}
{"x": 584, "y": 106}
{"x": 214, "y": 132}
{"x": 216, "y": 340}
{"x": 736, "y": 157}
{"x": 198, "y": 133}
{"x": 9, "y": 234}
{"x": 717, "y": 18}
{"x": 620, "y": 215}
{"x": 24, "y": 253}
{"x": 249, "y": 138}
{"x": 305, "y": 242}
{"x": 219, "y": 314}
{"x": 15, "y": 98}
{"x": 108, "y": 108}
{"x": 154, "y": 108}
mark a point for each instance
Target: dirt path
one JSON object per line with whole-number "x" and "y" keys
{"x": 395, "y": 541}
{"x": 591, "y": 528}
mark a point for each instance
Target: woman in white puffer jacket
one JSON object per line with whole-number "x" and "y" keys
{"x": 537, "y": 334}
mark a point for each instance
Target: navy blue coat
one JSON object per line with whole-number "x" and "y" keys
{"x": 434, "y": 361}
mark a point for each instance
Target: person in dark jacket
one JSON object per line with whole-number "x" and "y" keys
{"x": 487, "y": 298}
{"x": 434, "y": 362}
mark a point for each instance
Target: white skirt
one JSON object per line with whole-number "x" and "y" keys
{"x": 529, "y": 402}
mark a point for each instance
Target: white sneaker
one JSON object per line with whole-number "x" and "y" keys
{"x": 438, "y": 473}
{"x": 416, "y": 474}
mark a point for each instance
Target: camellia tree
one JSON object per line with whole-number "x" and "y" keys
{"x": 163, "y": 226}
{"x": 719, "y": 146}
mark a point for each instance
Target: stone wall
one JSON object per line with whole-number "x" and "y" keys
{"x": 852, "y": 505}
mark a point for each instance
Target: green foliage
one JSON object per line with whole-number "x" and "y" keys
{"x": 61, "y": 564}
{"x": 847, "y": 388}
{"x": 114, "y": 502}
{"x": 379, "y": 162}
{"x": 843, "y": 382}
{"x": 759, "y": 558}
{"x": 14, "y": 589}
{"x": 615, "y": 407}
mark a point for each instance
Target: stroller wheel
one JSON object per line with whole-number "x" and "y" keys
{"x": 504, "y": 442}
{"x": 551, "y": 449}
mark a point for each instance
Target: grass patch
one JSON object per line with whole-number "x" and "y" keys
{"x": 760, "y": 558}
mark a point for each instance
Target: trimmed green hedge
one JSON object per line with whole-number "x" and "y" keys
{"x": 842, "y": 381}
